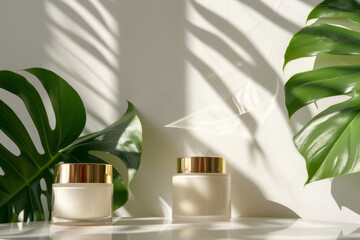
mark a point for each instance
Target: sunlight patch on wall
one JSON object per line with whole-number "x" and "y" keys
{"x": 245, "y": 97}
{"x": 95, "y": 24}
{"x": 67, "y": 24}
{"x": 228, "y": 77}
{"x": 83, "y": 47}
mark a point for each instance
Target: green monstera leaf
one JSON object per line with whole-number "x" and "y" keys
{"x": 308, "y": 87}
{"x": 330, "y": 141}
{"x": 337, "y": 9}
{"x": 122, "y": 139}
{"x": 320, "y": 38}
{"x": 27, "y": 178}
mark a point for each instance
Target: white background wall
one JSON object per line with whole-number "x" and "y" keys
{"x": 209, "y": 70}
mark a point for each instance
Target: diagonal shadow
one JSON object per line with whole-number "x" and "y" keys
{"x": 261, "y": 77}
{"x": 271, "y": 15}
{"x": 233, "y": 33}
{"x": 83, "y": 13}
{"x": 247, "y": 197}
{"x": 215, "y": 82}
{"x": 220, "y": 46}
{"x": 88, "y": 49}
{"x": 85, "y": 35}
{"x": 262, "y": 72}
{"x": 69, "y": 71}
{"x": 347, "y": 196}
{"x": 218, "y": 85}
{"x": 247, "y": 119}
{"x": 128, "y": 44}
{"x": 311, "y": 3}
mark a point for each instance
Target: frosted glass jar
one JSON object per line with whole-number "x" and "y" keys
{"x": 82, "y": 194}
{"x": 201, "y": 190}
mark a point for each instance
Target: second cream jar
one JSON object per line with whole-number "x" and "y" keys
{"x": 201, "y": 190}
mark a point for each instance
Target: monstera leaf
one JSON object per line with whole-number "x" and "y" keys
{"x": 319, "y": 38}
{"x": 330, "y": 141}
{"x": 26, "y": 179}
{"x": 337, "y": 9}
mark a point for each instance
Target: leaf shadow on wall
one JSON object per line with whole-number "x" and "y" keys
{"x": 88, "y": 51}
{"x": 311, "y": 3}
{"x": 83, "y": 48}
{"x": 271, "y": 15}
{"x": 266, "y": 77}
{"x": 345, "y": 191}
{"x": 247, "y": 197}
{"x": 249, "y": 200}
{"x": 260, "y": 70}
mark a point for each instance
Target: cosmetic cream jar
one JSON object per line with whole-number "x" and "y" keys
{"x": 82, "y": 194}
{"x": 201, "y": 190}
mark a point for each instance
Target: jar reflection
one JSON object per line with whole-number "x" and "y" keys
{"x": 80, "y": 233}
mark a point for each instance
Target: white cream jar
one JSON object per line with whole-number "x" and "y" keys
{"x": 82, "y": 194}
{"x": 201, "y": 190}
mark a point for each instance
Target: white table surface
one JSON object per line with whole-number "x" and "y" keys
{"x": 158, "y": 228}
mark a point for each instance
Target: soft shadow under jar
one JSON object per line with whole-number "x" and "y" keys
{"x": 82, "y": 194}
{"x": 201, "y": 190}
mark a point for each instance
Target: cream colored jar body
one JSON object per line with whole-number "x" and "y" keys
{"x": 201, "y": 197}
{"x": 82, "y": 194}
{"x": 82, "y": 201}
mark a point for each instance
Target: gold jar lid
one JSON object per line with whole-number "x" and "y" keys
{"x": 201, "y": 165}
{"x": 83, "y": 173}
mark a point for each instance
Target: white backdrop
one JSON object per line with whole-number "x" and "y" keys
{"x": 206, "y": 77}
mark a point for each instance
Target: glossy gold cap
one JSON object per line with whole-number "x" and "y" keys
{"x": 201, "y": 165}
{"x": 83, "y": 173}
